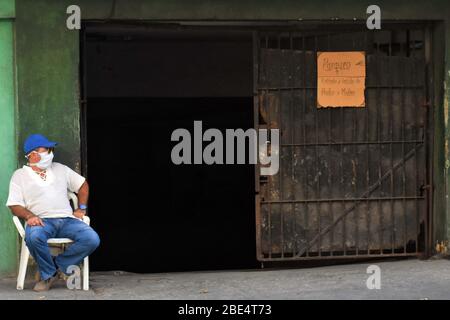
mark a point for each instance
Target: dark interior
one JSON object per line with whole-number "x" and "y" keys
{"x": 153, "y": 215}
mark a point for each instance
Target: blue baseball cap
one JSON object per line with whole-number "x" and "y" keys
{"x": 35, "y": 141}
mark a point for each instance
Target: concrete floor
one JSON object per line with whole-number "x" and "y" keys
{"x": 405, "y": 279}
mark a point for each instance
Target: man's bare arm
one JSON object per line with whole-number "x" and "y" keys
{"x": 21, "y": 212}
{"x": 83, "y": 195}
{"x": 26, "y": 214}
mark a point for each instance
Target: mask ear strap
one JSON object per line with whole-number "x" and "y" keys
{"x": 28, "y": 155}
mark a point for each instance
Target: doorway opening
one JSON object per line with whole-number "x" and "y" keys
{"x": 139, "y": 85}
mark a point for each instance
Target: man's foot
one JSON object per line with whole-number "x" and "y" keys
{"x": 45, "y": 285}
{"x": 62, "y": 275}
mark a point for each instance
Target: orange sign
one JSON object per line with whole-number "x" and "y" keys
{"x": 341, "y": 78}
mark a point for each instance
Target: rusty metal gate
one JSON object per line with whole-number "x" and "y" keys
{"x": 353, "y": 182}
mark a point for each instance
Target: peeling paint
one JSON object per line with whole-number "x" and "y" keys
{"x": 8, "y": 233}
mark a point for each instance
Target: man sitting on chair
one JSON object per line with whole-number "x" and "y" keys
{"x": 38, "y": 194}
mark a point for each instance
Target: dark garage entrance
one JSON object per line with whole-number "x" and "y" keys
{"x": 139, "y": 86}
{"x": 353, "y": 182}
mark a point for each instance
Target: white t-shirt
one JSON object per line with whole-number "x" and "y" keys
{"x": 46, "y": 199}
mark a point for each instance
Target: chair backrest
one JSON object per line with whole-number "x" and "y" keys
{"x": 72, "y": 196}
{"x": 19, "y": 226}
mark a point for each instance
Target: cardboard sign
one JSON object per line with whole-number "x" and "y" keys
{"x": 341, "y": 78}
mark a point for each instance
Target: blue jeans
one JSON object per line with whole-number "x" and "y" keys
{"x": 85, "y": 242}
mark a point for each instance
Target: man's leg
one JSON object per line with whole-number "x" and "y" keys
{"x": 85, "y": 240}
{"x": 36, "y": 239}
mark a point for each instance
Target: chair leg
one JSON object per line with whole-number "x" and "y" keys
{"x": 86, "y": 274}
{"x": 24, "y": 257}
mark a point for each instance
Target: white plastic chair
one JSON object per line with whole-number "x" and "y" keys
{"x": 53, "y": 242}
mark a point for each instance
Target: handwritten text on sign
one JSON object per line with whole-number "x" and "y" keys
{"x": 341, "y": 79}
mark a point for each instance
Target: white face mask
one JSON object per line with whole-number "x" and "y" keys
{"x": 45, "y": 162}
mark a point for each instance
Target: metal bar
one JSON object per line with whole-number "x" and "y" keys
{"x": 402, "y": 77}
{"x": 258, "y": 218}
{"x": 315, "y": 88}
{"x": 305, "y": 172}
{"x": 416, "y": 134}
{"x": 391, "y": 134}
{"x": 355, "y": 171}
{"x": 350, "y": 143}
{"x": 430, "y": 141}
{"x": 346, "y": 199}
{"x": 380, "y": 211}
{"x": 330, "y": 210}
{"x": 340, "y": 256}
{"x": 368, "y": 167}
{"x": 317, "y": 176}
{"x": 256, "y": 42}
{"x": 293, "y": 151}
{"x": 256, "y": 81}
{"x": 341, "y": 169}
{"x": 280, "y": 173}
{"x": 270, "y": 207}
{"x": 269, "y": 119}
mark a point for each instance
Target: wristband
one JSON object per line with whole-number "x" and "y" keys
{"x": 83, "y": 206}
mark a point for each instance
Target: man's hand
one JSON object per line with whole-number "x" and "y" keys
{"x": 35, "y": 221}
{"x": 26, "y": 215}
{"x": 79, "y": 213}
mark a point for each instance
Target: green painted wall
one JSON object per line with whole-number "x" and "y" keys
{"x": 47, "y": 73}
{"x": 7, "y": 9}
{"x": 8, "y": 156}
